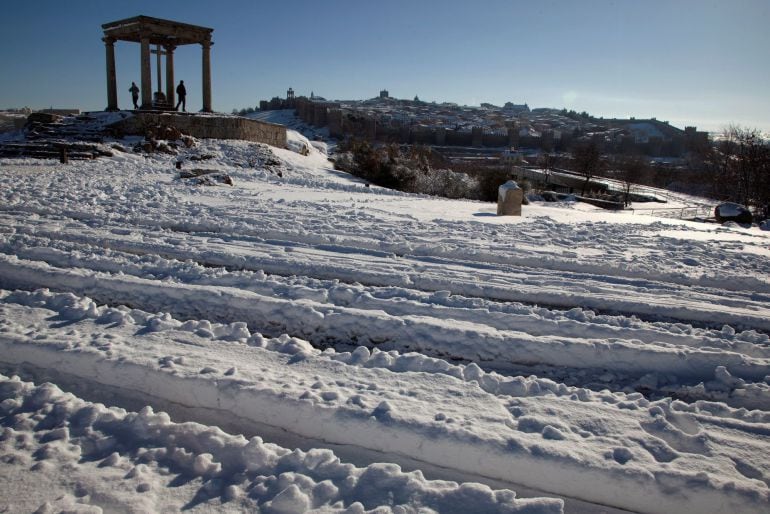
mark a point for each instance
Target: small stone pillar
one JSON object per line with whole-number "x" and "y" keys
{"x": 509, "y": 199}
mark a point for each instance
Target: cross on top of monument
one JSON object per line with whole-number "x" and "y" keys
{"x": 159, "y": 52}
{"x": 161, "y": 33}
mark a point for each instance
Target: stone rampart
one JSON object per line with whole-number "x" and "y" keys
{"x": 319, "y": 115}
{"x": 388, "y": 134}
{"x": 494, "y": 139}
{"x": 205, "y": 126}
{"x": 441, "y": 136}
{"x": 423, "y": 136}
{"x": 477, "y": 136}
{"x": 458, "y": 138}
{"x": 344, "y": 122}
{"x": 335, "y": 123}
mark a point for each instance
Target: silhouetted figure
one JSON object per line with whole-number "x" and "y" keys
{"x": 134, "y": 89}
{"x": 181, "y": 93}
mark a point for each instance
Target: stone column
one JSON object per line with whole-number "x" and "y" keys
{"x": 146, "y": 73}
{"x": 112, "y": 81}
{"x": 157, "y": 69}
{"x": 206, "y": 83}
{"x": 170, "y": 74}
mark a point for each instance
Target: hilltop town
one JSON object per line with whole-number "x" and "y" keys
{"x": 489, "y": 126}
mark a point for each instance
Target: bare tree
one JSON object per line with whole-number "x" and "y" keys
{"x": 547, "y": 162}
{"x": 587, "y": 161}
{"x": 740, "y": 165}
{"x": 632, "y": 170}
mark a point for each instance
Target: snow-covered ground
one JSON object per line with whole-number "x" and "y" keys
{"x": 299, "y": 341}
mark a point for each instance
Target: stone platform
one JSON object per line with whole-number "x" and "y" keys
{"x": 204, "y": 126}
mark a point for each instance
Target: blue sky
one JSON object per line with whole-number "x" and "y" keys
{"x": 689, "y": 62}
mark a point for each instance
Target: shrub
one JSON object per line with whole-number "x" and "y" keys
{"x": 488, "y": 183}
{"x": 406, "y": 169}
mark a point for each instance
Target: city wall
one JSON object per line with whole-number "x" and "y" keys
{"x": 348, "y": 123}
{"x": 343, "y": 123}
{"x": 206, "y": 126}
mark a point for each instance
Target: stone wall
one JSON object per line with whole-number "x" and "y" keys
{"x": 422, "y": 136}
{"x": 494, "y": 139}
{"x": 477, "y": 136}
{"x": 458, "y": 138}
{"x": 335, "y": 123}
{"x": 206, "y": 126}
{"x": 319, "y": 115}
{"x": 343, "y": 123}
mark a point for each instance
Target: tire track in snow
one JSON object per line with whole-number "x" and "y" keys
{"x": 504, "y": 283}
{"x": 323, "y": 324}
{"x": 525, "y": 455}
{"x": 394, "y": 300}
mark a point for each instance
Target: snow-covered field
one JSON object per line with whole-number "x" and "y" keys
{"x": 299, "y": 341}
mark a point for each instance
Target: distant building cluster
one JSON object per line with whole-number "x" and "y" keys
{"x": 278, "y": 103}
{"x": 512, "y": 125}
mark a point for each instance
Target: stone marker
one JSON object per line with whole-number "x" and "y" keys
{"x": 509, "y": 199}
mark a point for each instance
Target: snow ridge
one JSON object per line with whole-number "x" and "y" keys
{"x": 51, "y": 428}
{"x": 647, "y": 447}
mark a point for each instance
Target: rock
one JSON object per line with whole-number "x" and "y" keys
{"x": 196, "y": 172}
{"x": 729, "y": 211}
{"x": 166, "y": 147}
{"x": 42, "y": 117}
{"x": 167, "y": 132}
{"x": 171, "y": 133}
{"x": 549, "y": 196}
{"x": 202, "y": 177}
{"x": 202, "y": 157}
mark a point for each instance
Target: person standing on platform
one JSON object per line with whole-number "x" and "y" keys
{"x": 134, "y": 90}
{"x": 181, "y": 93}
